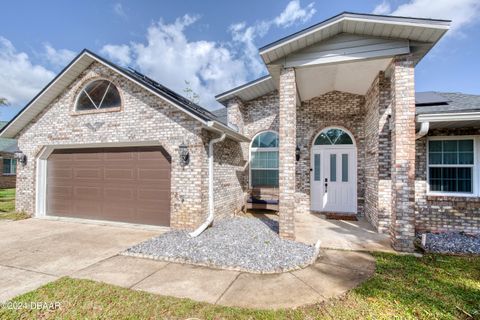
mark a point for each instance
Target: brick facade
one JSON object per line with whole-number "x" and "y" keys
{"x": 377, "y": 154}
{"x": 287, "y": 135}
{"x": 442, "y": 213}
{"x": 143, "y": 117}
{"x": 402, "y": 223}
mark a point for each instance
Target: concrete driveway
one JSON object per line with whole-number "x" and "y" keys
{"x": 34, "y": 252}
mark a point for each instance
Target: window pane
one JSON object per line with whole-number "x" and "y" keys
{"x": 450, "y": 179}
{"x": 344, "y": 138}
{"x": 264, "y": 159}
{"x": 333, "y": 167}
{"x": 450, "y": 146}
{"x": 450, "y": 158}
{"x": 345, "y": 167}
{"x": 14, "y": 166}
{"x": 465, "y": 158}
{"x": 322, "y": 139}
{"x": 435, "y": 158}
{"x": 316, "y": 167}
{"x": 435, "y": 146}
{"x": 264, "y": 178}
{"x": 465, "y": 145}
{"x": 99, "y": 94}
{"x": 266, "y": 140}
{"x": 6, "y": 166}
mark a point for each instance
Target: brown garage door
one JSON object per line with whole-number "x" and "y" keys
{"x": 117, "y": 184}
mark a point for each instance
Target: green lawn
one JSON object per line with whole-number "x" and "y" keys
{"x": 7, "y": 206}
{"x": 403, "y": 287}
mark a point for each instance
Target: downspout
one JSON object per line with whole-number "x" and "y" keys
{"x": 424, "y": 127}
{"x": 211, "y": 209}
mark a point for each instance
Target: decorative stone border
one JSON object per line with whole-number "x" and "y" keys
{"x": 230, "y": 268}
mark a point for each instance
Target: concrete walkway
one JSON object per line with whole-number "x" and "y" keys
{"x": 35, "y": 252}
{"x": 334, "y": 273}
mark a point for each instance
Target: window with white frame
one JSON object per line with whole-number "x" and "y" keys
{"x": 98, "y": 95}
{"x": 9, "y": 166}
{"x": 264, "y": 160}
{"x": 451, "y": 165}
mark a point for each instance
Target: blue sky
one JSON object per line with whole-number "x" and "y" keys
{"x": 212, "y": 44}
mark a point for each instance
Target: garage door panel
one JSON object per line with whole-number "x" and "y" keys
{"x": 119, "y": 194}
{"x": 119, "y": 184}
{"x": 119, "y": 174}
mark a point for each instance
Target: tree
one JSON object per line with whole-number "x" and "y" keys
{"x": 3, "y": 102}
{"x": 190, "y": 94}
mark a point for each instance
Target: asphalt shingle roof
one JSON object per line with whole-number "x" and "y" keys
{"x": 446, "y": 102}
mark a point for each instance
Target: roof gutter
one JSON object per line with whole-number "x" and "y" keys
{"x": 424, "y": 126}
{"x": 218, "y": 127}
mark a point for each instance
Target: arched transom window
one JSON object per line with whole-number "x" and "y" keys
{"x": 333, "y": 136}
{"x": 98, "y": 95}
{"x": 264, "y": 160}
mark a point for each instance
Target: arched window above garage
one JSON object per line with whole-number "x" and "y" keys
{"x": 98, "y": 95}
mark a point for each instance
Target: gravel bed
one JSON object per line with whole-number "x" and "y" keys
{"x": 240, "y": 243}
{"x": 452, "y": 242}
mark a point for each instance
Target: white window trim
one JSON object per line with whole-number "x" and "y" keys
{"x": 252, "y": 149}
{"x": 97, "y": 109}
{"x": 10, "y": 173}
{"x": 475, "y": 167}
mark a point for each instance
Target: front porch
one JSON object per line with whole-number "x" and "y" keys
{"x": 340, "y": 234}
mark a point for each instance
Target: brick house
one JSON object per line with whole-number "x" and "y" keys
{"x": 335, "y": 127}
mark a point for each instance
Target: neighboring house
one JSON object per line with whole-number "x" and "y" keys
{"x": 8, "y": 162}
{"x": 335, "y": 127}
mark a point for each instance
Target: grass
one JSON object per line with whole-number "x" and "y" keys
{"x": 7, "y": 206}
{"x": 403, "y": 287}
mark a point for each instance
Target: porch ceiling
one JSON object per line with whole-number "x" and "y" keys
{"x": 353, "y": 77}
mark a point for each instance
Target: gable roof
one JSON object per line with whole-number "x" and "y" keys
{"x": 425, "y": 30}
{"x": 83, "y": 60}
{"x": 418, "y": 35}
{"x": 433, "y": 102}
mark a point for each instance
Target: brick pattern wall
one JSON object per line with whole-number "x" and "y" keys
{"x": 229, "y": 176}
{"x": 442, "y": 213}
{"x": 235, "y": 114}
{"x": 144, "y": 117}
{"x": 287, "y": 136}
{"x": 402, "y": 231}
{"x": 377, "y": 155}
{"x": 332, "y": 109}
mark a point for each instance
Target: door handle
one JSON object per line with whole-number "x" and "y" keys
{"x": 326, "y": 184}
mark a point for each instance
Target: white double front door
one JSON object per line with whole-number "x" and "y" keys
{"x": 334, "y": 179}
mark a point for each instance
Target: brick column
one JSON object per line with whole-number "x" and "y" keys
{"x": 235, "y": 113}
{"x": 402, "y": 228}
{"x": 287, "y": 144}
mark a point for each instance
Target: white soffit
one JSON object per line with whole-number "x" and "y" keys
{"x": 353, "y": 77}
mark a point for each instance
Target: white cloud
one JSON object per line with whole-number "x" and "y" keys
{"x": 294, "y": 13}
{"x": 246, "y": 35}
{"x": 20, "y": 79}
{"x": 169, "y": 57}
{"x": 462, "y": 12}
{"x": 118, "y": 10}
{"x": 58, "y": 58}
{"x": 382, "y": 8}
{"x": 118, "y": 53}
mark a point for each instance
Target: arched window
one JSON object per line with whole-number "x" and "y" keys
{"x": 98, "y": 95}
{"x": 264, "y": 160}
{"x": 333, "y": 136}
